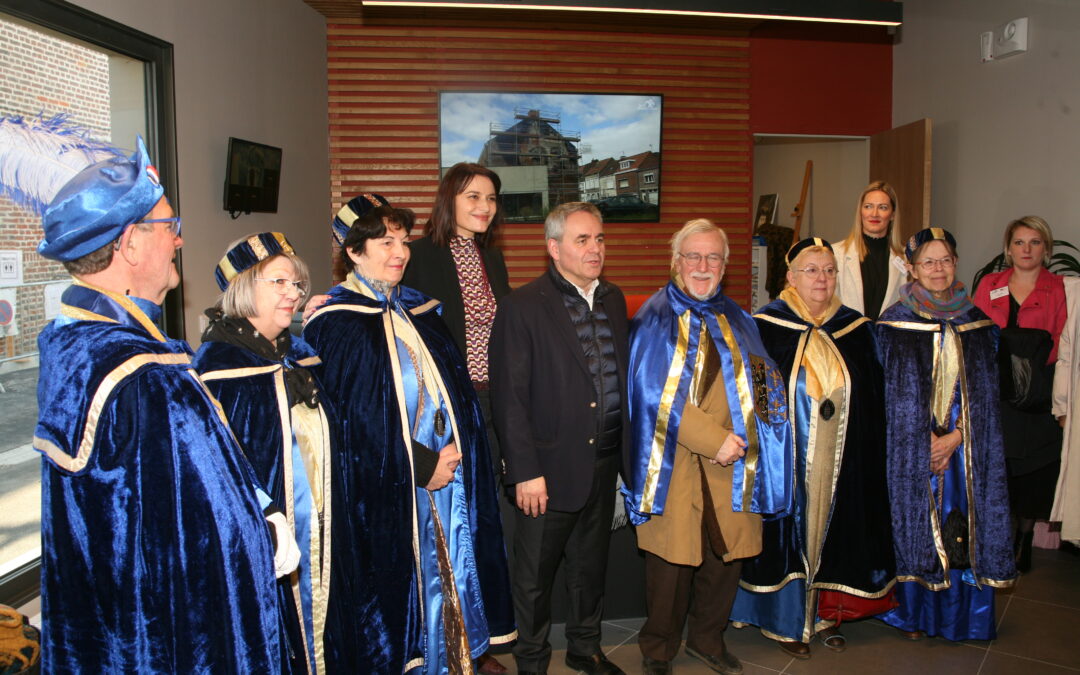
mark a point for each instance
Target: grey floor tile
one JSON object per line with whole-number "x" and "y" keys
{"x": 1004, "y": 664}
{"x": 1040, "y": 631}
{"x": 1054, "y": 578}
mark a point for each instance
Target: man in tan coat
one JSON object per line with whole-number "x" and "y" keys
{"x": 710, "y": 451}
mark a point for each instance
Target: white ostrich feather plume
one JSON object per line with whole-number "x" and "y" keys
{"x": 38, "y": 156}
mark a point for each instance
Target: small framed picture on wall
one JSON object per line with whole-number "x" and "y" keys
{"x": 766, "y": 211}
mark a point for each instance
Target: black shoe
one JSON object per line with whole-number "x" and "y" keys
{"x": 725, "y": 664}
{"x": 655, "y": 667}
{"x": 597, "y": 664}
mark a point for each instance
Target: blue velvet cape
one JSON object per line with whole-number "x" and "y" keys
{"x": 382, "y": 629}
{"x": 907, "y": 342}
{"x": 664, "y": 337}
{"x": 155, "y": 555}
{"x": 857, "y": 553}
{"x": 251, "y": 390}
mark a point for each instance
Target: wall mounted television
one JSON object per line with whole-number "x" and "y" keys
{"x": 553, "y": 148}
{"x": 252, "y": 176}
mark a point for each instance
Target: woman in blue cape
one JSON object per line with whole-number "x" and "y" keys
{"x": 831, "y": 558}
{"x": 428, "y": 571}
{"x": 946, "y": 464}
{"x": 260, "y": 374}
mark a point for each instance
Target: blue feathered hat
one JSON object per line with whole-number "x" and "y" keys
{"x": 94, "y": 207}
{"x": 357, "y": 206}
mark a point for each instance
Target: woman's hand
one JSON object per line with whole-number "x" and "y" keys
{"x": 942, "y": 448}
{"x": 449, "y": 458}
{"x": 313, "y": 304}
{"x": 730, "y": 450}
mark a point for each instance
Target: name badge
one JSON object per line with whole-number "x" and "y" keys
{"x": 899, "y": 264}
{"x": 999, "y": 292}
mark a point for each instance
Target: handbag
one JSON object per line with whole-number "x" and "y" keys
{"x": 954, "y": 535}
{"x": 1026, "y": 380}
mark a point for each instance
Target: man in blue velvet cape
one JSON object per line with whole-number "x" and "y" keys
{"x": 711, "y": 450}
{"x": 155, "y": 554}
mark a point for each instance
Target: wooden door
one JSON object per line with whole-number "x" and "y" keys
{"x": 901, "y": 157}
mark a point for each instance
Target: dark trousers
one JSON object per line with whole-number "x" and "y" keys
{"x": 672, "y": 592}
{"x": 581, "y": 537}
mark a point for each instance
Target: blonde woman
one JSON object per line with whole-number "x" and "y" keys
{"x": 870, "y": 263}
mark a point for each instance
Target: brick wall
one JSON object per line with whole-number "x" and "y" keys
{"x": 43, "y": 74}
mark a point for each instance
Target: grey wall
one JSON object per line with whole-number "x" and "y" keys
{"x": 839, "y": 174}
{"x": 254, "y": 69}
{"x": 1006, "y": 138}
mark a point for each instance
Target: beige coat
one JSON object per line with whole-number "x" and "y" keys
{"x": 676, "y": 536}
{"x": 849, "y": 278}
{"x": 1067, "y": 402}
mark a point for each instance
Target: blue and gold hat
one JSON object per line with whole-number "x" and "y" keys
{"x": 249, "y": 252}
{"x": 349, "y": 213}
{"x": 94, "y": 207}
{"x": 923, "y": 236}
{"x": 801, "y": 246}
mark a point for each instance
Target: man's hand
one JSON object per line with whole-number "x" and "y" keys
{"x": 730, "y": 450}
{"x": 449, "y": 458}
{"x": 286, "y": 552}
{"x": 313, "y": 304}
{"x": 532, "y": 497}
{"x": 942, "y": 448}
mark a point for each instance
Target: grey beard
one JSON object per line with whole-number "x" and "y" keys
{"x": 701, "y": 296}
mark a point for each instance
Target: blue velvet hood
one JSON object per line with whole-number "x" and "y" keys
{"x": 664, "y": 338}
{"x": 908, "y": 341}
{"x": 155, "y": 554}
{"x": 382, "y": 631}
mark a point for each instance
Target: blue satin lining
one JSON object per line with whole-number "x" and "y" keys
{"x": 780, "y": 612}
{"x": 452, "y": 508}
{"x": 302, "y": 503}
{"x": 961, "y": 612}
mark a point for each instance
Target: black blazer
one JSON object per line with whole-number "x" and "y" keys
{"x": 542, "y": 395}
{"x": 431, "y": 271}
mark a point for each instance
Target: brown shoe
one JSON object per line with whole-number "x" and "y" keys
{"x": 912, "y": 635}
{"x": 486, "y": 664}
{"x": 799, "y": 650}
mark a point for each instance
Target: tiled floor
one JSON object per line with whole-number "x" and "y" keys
{"x": 1038, "y": 633}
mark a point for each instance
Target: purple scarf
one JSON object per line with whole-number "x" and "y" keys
{"x": 921, "y": 301}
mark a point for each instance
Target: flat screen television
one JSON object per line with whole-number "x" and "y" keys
{"x": 548, "y": 149}
{"x": 252, "y": 176}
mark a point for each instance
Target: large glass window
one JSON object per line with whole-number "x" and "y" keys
{"x": 116, "y": 84}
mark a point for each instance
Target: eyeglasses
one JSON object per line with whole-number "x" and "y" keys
{"x": 829, "y": 272}
{"x": 282, "y": 286}
{"x": 173, "y": 224}
{"x": 713, "y": 259}
{"x": 931, "y": 264}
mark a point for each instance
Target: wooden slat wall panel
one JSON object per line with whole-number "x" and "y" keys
{"x": 383, "y": 90}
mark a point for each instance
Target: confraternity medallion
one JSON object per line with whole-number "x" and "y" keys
{"x": 440, "y": 423}
{"x": 827, "y": 410}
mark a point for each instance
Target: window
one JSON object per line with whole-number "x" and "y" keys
{"x": 624, "y": 183}
{"x": 116, "y": 83}
{"x": 648, "y": 178}
{"x": 626, "y": 163}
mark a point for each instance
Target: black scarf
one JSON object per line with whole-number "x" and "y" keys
{"x": 238, "y": 331}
